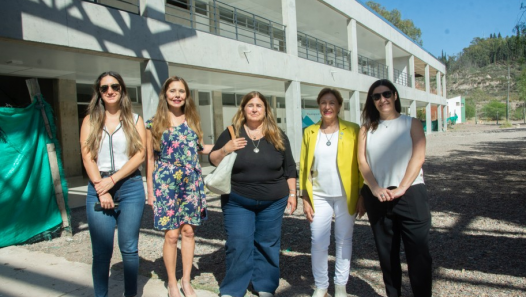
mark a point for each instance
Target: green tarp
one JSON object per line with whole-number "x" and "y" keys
{"x": 28, "y": 207}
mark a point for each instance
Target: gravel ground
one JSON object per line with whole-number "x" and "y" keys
{"x": 475, "y": 177}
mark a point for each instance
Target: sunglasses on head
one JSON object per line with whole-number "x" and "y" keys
{"x": 386, "y": 95}
{"x": 114, "y": 87}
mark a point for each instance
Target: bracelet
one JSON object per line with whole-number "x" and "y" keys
{"x": 292, "y": 195}
{"x": 112, "y": 179}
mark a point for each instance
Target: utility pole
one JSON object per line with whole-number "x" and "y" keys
{"x": 508, "y": 97}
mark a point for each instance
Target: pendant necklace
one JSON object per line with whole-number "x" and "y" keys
{"x": 328, "y": 143}
{"x": 256, "y": 149}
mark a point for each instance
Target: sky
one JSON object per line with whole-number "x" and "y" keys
{"x": 450, "y": 25}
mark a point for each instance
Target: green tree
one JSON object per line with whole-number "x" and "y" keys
{"x": 494, "y": 109}
{"x": 395, "y": 17}
{"x": 470, "y": 108}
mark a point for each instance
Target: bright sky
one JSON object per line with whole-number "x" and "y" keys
{"x": 451, "y": 25}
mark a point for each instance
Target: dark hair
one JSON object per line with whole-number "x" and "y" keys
{"x": 371, "y": 115}
{"x": 326, "y": 91}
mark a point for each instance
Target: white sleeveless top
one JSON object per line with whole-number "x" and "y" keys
{"x": 113, "y": 150}
{"x": 326, "y": 179}
{"x": 389, "y": 149}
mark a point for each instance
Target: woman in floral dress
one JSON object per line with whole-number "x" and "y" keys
{"x": 174, "y": 180}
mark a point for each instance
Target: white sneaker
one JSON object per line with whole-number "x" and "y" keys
{"x": 340, "y": 291}
{"x": 265, "y": 294}
{"x": 320, "y": 293}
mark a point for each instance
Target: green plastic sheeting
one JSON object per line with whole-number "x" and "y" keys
{"x": 28, "y": 207}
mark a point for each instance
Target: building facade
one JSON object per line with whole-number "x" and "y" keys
{"x": 286, "y": 49}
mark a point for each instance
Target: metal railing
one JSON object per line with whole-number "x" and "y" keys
{"x": 132, "y": 6}
{"x": 401, "y": 78}
{"x": 222, "y": 19}
{"x": 314, "y": 49}
{"x": 372, "y": 68}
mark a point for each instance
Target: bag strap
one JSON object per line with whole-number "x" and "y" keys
{"x": 232, "y": 134}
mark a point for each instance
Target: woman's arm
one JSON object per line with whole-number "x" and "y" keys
{"x": 90, "y": 165}
{"x": 383, "y": 194}
{"x": 293, "y": 199}
{"x": 150, "y": 165}
{"x": 207, "y": 148}
{"x": 417, "y": 158}
{"x": 225, "y": 146}
{"x": 129, "y": 167}
{"x": 304, "y": 175}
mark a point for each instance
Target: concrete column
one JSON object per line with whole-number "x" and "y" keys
{"x": 67, "y": 121}
{"x": 444, "y": 113}
{"x": 293, "y": 116}
{"x": 439, "y": 117}
{"x": 428, "y": 119}
{"x": 412, "y": 71}
{"x": 288, "y": 12}
{"x": 439, "y": 84}
{"x": 195, "y": 97}
{"x": 389, "y": 60}
{"x": 217, "y": 108}
{"x": 354, "y": 105}
{"x": 428, "y": 84}
{"x": 444, "y": 94}
{"x": 274, "y": 105}
{"x": 352, "y": 44}
{"x": 213, "y": 17}
{"x": 153, "y": 75}
{"x": 412, "y": 109}
{"x": 154, "y": 9}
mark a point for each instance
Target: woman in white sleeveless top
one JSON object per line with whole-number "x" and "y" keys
{"x": 391, "y": 151}
{"x": 112, "y": 142}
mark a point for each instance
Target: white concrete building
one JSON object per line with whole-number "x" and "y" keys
{"x": 286, "y": 49}
{"x": 455, "y": 106}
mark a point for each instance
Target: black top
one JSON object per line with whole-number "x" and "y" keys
{"x": 261, "y": 176}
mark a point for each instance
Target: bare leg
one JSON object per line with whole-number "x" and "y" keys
{"x": 170, "y": 260}
{"x": 187, "y": 253}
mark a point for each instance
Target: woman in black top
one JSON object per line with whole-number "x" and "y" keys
{"x": 263, "y": 185}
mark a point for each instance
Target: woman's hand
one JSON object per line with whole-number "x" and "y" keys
{"x": 151, "y": 200}
{"x": 104, "y": 185}
{"x": 106, "y": 201}
{"x": 292, "y": 204}
{"x": 307, "y": 209}
{"x": 383, "y": 194}
{"x": 234, "y": 145}
{"x": 360, "y": 207}
{"x": 399, "y": 192}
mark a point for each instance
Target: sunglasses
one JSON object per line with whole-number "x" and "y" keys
{"x": 386, "y": 95}
{"x": 115, "y": 87}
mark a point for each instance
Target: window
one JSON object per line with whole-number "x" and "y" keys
{"x": 201, "y": 8}
{"x": 178, "y": 3}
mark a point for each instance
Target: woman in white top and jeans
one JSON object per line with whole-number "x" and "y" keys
{"x": 112, "y": 141}
{"x": 391, "y": 151}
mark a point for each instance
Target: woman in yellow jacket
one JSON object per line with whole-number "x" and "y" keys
{"x": 330, "y": 183}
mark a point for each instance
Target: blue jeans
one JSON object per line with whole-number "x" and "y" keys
{"x": 129, "y": 192}
{"x": 253, "y": 230}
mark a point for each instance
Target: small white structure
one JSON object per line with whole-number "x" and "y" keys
{"x": 456, "y": 106}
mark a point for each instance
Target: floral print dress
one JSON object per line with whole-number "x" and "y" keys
{"x": 177, "y": 180}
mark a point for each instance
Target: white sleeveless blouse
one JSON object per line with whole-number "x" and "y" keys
{"x": 389, "y": 149}
{"x": 113, "y": 150}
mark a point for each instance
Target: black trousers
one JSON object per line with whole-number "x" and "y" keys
{"x": 407, "y": 218}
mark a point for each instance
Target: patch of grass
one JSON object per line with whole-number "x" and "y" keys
{"x": 506, "y": 125}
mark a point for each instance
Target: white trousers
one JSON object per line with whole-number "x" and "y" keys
{"x": 325, "y": 208}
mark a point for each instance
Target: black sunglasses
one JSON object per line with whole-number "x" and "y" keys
{"x": 115, "y": 87}
{"x": 386, "y": 95}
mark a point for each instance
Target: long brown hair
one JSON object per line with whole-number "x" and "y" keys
{"x": 161, "y": 119}
{"x": 96, "y": 111}
{"x": 269, "y": 128}
{"x": 371, "y": 115}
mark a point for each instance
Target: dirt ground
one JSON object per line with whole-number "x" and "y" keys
{"x": 475, "y": 175}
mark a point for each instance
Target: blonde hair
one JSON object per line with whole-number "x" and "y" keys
{"x": 96, "y": 112}
{"x": 269, "y": 128}
{"x": 161, "y": 119}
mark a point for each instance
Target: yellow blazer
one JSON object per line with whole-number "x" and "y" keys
{"x": 347, "y": 160}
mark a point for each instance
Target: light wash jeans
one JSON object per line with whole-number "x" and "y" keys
{"x": 325, "y": 208}
{"x": 129, "y": 192}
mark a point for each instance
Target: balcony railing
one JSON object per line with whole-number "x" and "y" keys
{"x": 401, "y": 78}
{"x": 228, "y": 21}
{"x": 314, "y": 49}
{"x": 127, "y": 5}
{"x": 372, "y": 68}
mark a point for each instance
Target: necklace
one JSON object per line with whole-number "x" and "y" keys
{"x": 256, "y": 149}
{"x": 328, "y": 143}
